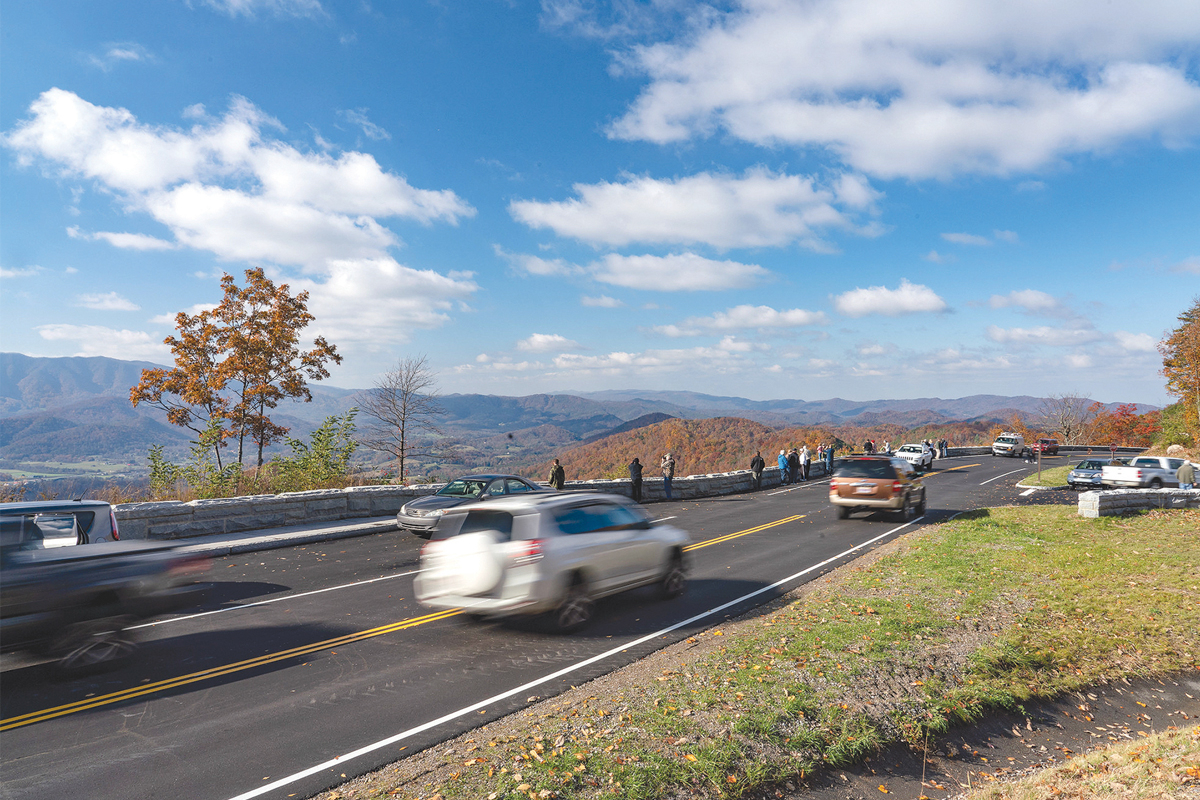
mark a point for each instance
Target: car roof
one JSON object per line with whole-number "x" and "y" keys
{"x": 537, "y": 500}
{"x": 487, "y": 476}
{"x": 46, "y": 506}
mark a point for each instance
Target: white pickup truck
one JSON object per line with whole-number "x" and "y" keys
{"x": 1142, "y": 472}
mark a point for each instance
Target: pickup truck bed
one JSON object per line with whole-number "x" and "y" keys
{"x": 1143, "y": 472}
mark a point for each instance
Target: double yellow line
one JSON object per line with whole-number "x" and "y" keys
{"x": 748, "y": 531}
{"x": 270, "y": 658}
{"x": 216, "y": 672}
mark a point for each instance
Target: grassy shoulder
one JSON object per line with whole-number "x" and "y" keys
{"x": 1054, "y": 476}
{"x": 985, "y": 612}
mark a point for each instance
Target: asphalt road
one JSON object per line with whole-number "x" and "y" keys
{"x": 311, "y": 664}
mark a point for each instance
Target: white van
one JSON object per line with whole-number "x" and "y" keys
{"x": 1009, "y": 444}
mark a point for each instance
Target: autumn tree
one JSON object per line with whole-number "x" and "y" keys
{"x": 261, "y": 323}
{"x": 1181, "y": 365}
{"x": 1124, "y": 426}
{"x": 1067, "y": 415}
{"x": 190, "y": 394}
{"x": 404, "y": 406}
{"x": 235, "y": 362}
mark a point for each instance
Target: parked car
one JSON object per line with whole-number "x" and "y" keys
{"x": 919, "y": 456}
{"x": 1047, "y": 447}
{"x": 1010, "y": 444}
{"x": 75, "y": 604}
{"x": 547, "y": 552}
{"x": 421, "y": 516}
{"x": 1143, "y": 472}
{"x": 1086, "y": 474}
{"x": 59, "y": 523}
{"x": 869, "y": 482}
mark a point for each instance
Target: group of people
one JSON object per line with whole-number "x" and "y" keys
{"x": 558, "y": 477}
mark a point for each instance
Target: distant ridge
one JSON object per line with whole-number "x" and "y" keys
{"x": 632, "y": 425}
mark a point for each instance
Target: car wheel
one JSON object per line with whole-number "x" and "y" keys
{"x": 843, "y": 512}
{"x": 575, "y": 610}
{"x": 906, "y": 510}
{"x": 674, "y": 581}
{"x": 1156, "y": 484}
{"x": 921, "y": 506}
{"x": 93, "y": 645}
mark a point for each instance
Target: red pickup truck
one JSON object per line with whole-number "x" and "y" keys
{"x": 1047, "y": 447}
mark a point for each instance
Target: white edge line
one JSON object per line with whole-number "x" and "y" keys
{"x": 998, "y": 477}
{"x": 664, "y": 519}
{"x": 272, "y": 600}
{"x": 1028, "y": 492}
{"x": 370, "y": 748}
{"x": 800, "y": 486}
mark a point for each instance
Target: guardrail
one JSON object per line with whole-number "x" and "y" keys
{"x": 173, "y": 519}
{"x": 1114, "y": 502}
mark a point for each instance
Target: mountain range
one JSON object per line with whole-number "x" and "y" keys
{"x": 68, "y": 409}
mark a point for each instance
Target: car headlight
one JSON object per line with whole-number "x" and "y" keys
{"x": 437, "y": 512}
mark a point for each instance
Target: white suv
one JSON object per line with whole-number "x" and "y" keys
{"x": 554, "y": 553}
{"x": 919, "y": 456}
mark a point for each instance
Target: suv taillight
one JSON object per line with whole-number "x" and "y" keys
{"x": 528, "y": 552}
{"x": 896, "y": 487}
{"x": 112, "y": 518}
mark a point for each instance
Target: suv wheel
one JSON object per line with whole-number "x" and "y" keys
{"x": 1156, "y": 484}
{"x": 93, "y": 645}
{"x": 906, "y": 510}
{"x": 843, "y": 512}
{"x": 921, "y": 506}
{"x": 575, "y": 610}
{"x": 674, "y": 580}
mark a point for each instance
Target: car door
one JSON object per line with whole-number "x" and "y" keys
{"x": 592, "y": 542}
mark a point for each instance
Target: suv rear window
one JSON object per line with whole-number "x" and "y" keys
{"x": 479, "y": 520}
{"x": 865, "y": 469}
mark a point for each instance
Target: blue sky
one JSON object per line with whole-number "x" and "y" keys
{"x": 767, "y": 199}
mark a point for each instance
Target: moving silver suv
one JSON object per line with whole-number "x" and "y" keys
{"x": 543, "y": 552}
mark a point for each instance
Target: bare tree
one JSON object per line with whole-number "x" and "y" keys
{"x": 404, "y": 405}
{"x": 1068, "y": 415}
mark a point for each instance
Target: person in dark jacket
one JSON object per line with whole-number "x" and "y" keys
{"x": 558, "y": 477}
{"x": 757, "y": 465}
{"x": 635, "y": 480}
{"x": 793, "y": 462}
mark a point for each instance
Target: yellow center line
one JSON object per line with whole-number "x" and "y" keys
{"x": 727, "y": 537}
{"x": 215, "y": 672}
{"x": 951, "y": 469}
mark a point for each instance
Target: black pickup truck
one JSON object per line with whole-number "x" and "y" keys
{"x": 73, "y": 603}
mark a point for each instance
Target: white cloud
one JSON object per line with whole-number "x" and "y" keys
{"x": 938, "y": 258}
{"x": 967, "y": 238}
{"x": 1006, "y": 236}
{"x": 228, "y": 187}
{"x": 681, "y": 272}
{"x": 96, "y": 340}
{"x": 1031, "y": 301}
{"x": 1080, "y": 360}
{"x": 760, "y": 208}
{"x": 281, "y": 8}
{"x": 535, "y": 265}
{"x": 107, "y": 301}
{"x": 1136, "y": 342}
{"x": 358, "y": 116}
{"x": 928, "y": 90}
{"x": 20, "y": 272}
{"x": 1044, "y": 335}
{"x": 547, "y": 342}
{"x": 191, "y": 311}
{"x": 125, "y": 241}
{"x": 745, "y": 317}
{"x": 602, "y": 301}
{"x": 1189, "y": 265}
{"x": 908, "y": 298}
{"x": 117, "y": 53}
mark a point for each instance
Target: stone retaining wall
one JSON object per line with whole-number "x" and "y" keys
{"x": 176, "y": 520}
{"x": 1113, "y": 502}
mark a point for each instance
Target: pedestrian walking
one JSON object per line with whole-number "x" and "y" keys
{"x": 635, "y": 480}
{"x": 668, "y": 473}
{"x": 793, "y": 462}
{"x": 1186, "y": 476}
{"x": 558, "y": 477}
{"x": 783, "y": 468}
{"x": 757, "y": 465}
{"x": 805, "y": 462}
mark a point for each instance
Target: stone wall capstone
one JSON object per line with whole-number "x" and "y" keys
{"x": 1113, "y": 502}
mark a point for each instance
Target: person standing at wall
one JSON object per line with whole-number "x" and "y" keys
{"x": 783, "y": 468}
{"x": 635, "y": 480}
{"x": 805, "y": 462}
{"x": 757, "y": 465}
{"x": 1186, "y": 475}
{"x": 668, "y": 473}
{"x": 558, "y": 477}
{"x": 829, "y": 451}
{"x": 793, "y": 462}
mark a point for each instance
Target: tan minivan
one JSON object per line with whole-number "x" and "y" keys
{"x": 867, "y": 483}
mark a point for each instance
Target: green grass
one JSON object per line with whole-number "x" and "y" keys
{"x": 1053, "y": 476}
{"x": 982, "y": 613}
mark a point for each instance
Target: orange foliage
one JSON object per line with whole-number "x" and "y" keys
{"x": 1123, "y": 426}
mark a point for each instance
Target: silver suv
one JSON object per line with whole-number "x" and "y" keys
{"x": 555, "y": 553}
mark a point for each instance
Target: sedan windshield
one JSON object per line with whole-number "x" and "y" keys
{"x": 910, "y": 448}
{"x": 463, "y": 488}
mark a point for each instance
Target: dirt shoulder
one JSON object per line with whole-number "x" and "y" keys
{"x": 937, "y": 656}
